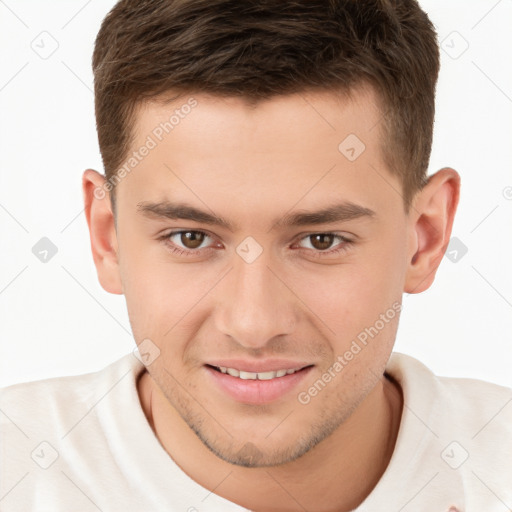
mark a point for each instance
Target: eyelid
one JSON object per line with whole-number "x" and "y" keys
{"x": 344, "y": 244}
{"x": 344, "y": 247}
{"x": 339, "y": 234}
{"x": 167, "y": 236}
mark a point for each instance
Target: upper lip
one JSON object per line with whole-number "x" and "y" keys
{"x": 267, "y": 365}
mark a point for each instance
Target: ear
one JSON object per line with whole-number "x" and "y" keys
{"x": 431, "y": 219}
{"x": 102, "y": 230}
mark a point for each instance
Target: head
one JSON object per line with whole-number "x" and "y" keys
{"x": 265, "y": 199}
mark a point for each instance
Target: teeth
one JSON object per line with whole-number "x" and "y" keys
{"x": 248, "y": 375}
{"x": 233, "y": 372}
{"x": 256, "y": 375}
{"x": 266, "y": 375}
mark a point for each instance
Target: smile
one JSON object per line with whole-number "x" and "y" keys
{"x": 257, "y": 387}
{"x": 255, "y": 375}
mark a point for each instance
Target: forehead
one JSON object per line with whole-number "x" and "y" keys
{"x": 250, "y": 122}
{"x": 313, "y": 148}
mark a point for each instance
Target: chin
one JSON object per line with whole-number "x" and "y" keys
{"x": 268, "y": 452}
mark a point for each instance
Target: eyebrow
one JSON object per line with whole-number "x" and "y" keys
{"x": 170, "y": 210}
{"x": 340, "y": 212}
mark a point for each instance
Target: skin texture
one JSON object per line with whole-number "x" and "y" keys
{"x": 253, "y": 166}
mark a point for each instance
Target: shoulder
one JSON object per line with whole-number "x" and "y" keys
{"x": 450, "y": 397}
{"x": 70, "y": 429}
{"x": 30, "y": 406}
{"x": 458, "y": 428}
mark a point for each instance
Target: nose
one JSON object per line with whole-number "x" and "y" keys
{"x": 254, "y": 305}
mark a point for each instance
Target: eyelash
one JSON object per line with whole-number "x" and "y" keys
{"x": 342, "y": 248}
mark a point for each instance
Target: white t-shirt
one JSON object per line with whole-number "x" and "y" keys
{"x": 82, "y": 443}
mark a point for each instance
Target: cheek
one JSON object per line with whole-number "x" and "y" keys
{"x": 381, "y": 275}
{"x": 348, "y": 298}
{"x": 351, "y": 295}
{"x": 165, "y": 300}
{"x": 151, "y": 290}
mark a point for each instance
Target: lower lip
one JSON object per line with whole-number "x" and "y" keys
{"x": 254, "y": 391}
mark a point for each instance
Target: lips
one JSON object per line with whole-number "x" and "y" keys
{"x": 257, "y": 383}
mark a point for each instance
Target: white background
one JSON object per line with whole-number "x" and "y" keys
{"x": 55, "y": 319}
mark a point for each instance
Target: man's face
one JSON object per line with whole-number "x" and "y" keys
{"x": 262, "y": 293}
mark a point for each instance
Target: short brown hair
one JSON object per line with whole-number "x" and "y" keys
{"x": 257, "y": 49}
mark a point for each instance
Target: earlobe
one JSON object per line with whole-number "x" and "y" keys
{"x": 102, "y": 231}
{"x": 432, "y": 219}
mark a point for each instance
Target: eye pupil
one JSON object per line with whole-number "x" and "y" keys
{"x": 321, "y": 241}
{"x": 192, "y": 239}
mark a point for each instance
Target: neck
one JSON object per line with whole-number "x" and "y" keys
{"x": 339, "y": 472}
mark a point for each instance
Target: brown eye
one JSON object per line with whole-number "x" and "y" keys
{"x": 192, "y": 239}
{"x": 325, "y": 244}
{"x": 322, "y": 241}
{"x": 189, "y": 242}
